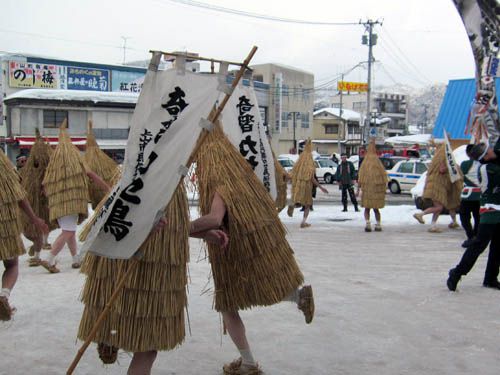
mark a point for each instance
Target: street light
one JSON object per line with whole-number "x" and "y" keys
{"x": 294, "y": 116}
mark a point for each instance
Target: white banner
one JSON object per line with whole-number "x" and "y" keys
{"x": 451, "y": 163}
{"x": 244, "y": 127}
{"x": 165, "y": 127}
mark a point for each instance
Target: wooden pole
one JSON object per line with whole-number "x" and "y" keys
{"x": 135, "y": 260}
{"x": 102, "y": 316}
{"x": 194, "y": 57}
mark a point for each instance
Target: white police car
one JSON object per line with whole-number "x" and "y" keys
{"x": 405, "y": 174}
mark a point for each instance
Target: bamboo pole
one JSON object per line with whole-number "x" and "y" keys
{"x": 102, "y": 316}
{"x": 135, "y": 260}
{"x": 194, "y": 57}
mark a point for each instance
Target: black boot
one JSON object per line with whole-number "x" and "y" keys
{"x": 492, "y": 284}
{"x": 453, "y": 279}
{"x": 356, "y": 208}
{"x": 345, "y": 209}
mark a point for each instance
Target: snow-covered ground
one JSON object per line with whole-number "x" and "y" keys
{"x": 382, "y": 307}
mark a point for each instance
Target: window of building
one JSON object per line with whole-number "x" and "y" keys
{"x": 284, "y": 90}
{"x": 53, "y": 118}
{"x": 284, "y": 119}
{"x": 359, "y": 106}
{"x": 331, "y": 129}
{"x": 305, "y": 120}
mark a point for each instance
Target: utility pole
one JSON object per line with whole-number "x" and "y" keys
{"x": 424, "y": 127}
{"x": 370, "y": 40}
{"x": 125, "y": 47}
{"x": 341, "y": 119}
{"x": 294, "y": 116}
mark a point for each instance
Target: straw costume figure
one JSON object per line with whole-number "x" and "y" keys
{"x": 66, "y": 187}
{"x": 148, "y": 315}
{"x": 372, "y": 181}
{"x": 12, "y": 197}
{"x": 32, "y": 175}
{"x": 282, "y": 178}
{"x": 97, "y": 160}
{"x": 442, "y": 192}
{"x": 303, "y": 181}
{"x": 258, "y": 267}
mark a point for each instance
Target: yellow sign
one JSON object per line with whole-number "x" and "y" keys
{"x": 352, "y": 86}
{"x": 42, "y": 76}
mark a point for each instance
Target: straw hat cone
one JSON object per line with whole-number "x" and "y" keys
{"x": 11, "y": 193}
{"x": 149, "y": 312}
{"x": 438, "y": 186}
{"x": 65, "y": 181}
{"x": 100, "y": 163}
{"x": 258, "y": 267}
{"x": 281, "y": 184}
{"x": 372, "y": 179}
{"x": 32, "y": 175}
{"x": 302, "y": 174}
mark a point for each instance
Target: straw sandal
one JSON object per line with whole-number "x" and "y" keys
{"x": 368, "y": 228}
{"x": 76, "y": 265}
{"x": 48, "y": 267}
{"x": 453, "y": 225}
{"x": 6, "y": 311}
{"x": 378, "y": 228}
{"x": 107, "y": 353}
{"x": 31, "y": 251}
{"x": 34, "y": 262}
{"x": 305, "y": 225}
{"x": 47, "y": 246}
{"x": 419, "y": 218}
{"x": 306, "y": 302}
{"x": 229, "y": 368}
{"x": 236, "y": 368}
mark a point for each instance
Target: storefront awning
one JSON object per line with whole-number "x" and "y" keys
{"x": 80, "y": 142}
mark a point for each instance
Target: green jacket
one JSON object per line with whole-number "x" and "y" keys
{"x": 490, "y": 199}
{"x": 471, "y": 190}
{"x": 346, "y": 173}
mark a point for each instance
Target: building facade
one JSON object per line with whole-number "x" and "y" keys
{"x": 336, "y": 133}
{"x": 390, "y": 106}
{"x": 290, "y": 104}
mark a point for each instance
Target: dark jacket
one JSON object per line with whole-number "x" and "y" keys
{"x": 346, "y": 173}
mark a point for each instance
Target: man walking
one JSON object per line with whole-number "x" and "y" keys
{"x": 471, "y": 193}
{"x": 346, "y": 177}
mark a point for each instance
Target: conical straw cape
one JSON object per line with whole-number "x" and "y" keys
{"x": 11, "y": 193}
{"x": 438, "y": 186}
{"x": 302, "y": 175}
{"x": 281, "y": 184}
{"x": 149, "y": 311}
{"x": 32, "y": 175}
{"x": 100, "y": 163}
{"x": 65, "y": 181}
{"x": 372, "y": 179}
{"x": 258, "y": 267}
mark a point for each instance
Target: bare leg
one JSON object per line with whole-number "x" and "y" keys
{"x": 71, "y": 241}
{"x": 367, "y": 214}
{"x": 60, "y": 242}
{"x": 11, "y": 273}
{"x": 236, "y": 330}
{"x": 306, "y": 214}
{"x": 142, "y": 362}
{"x": 377, "y": 215}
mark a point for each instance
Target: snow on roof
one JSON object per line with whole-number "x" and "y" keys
{"x": 410, "y": 139}
{"x": 347, "y": 114}
{"x": 75, "y": 95}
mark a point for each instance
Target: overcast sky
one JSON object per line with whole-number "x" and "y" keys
{"x": 420, "y": 42}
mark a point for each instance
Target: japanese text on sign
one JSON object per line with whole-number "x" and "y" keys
{"x": 352, "y": 86}
{"x": 88, "y": 79}
{"x": 43, "y": 76}
{"x": 246, "y": 122}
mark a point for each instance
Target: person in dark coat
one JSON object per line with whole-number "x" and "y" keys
{"x": 346, "y": 178}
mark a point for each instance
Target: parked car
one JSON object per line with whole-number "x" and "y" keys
{"x": 404, "y": 175}
{"x": 390, "y": 161}
{"x": 286, "y": 163}
{"x": 325, "y": 170}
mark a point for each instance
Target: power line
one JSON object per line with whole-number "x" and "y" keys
{"x": 238, "y": 12}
